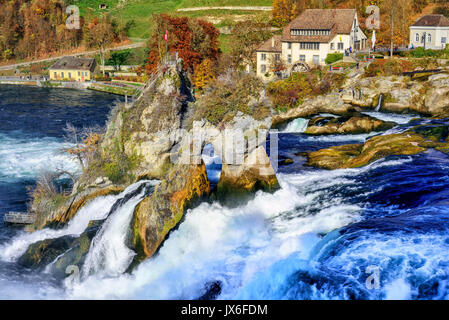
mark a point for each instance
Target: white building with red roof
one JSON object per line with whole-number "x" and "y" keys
{"x": 310, "y": 37}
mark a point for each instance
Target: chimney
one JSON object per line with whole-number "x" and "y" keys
{"x": 272, "y": 42}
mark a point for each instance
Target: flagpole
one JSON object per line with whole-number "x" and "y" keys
{"x": 166, "y": 45}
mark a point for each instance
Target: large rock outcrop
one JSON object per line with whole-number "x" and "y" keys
{"x": 353, "y": 124}
{"x": 158, "y": 137}
{"x": 413, "y": 141}
{"x": 399, "y": 94}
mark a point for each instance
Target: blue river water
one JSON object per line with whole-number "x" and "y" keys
{"x": 319, "y": 237}
{"x": 31, "y": 133}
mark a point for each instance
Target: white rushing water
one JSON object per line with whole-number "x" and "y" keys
{"x": 297, "y": 126}
{"x": 394, "y": 117}
{"x": 250, "y": 249}
{"x": 216, "y": 243}
{"x": 25, "y": 157}
{"x": 109, "y": 254}
{"x": 96, "y": 209}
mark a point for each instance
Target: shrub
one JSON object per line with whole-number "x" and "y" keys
{"x": 289, "y": 93}
{"x": 333, "y": 57}
{"x": 232, "y": 92}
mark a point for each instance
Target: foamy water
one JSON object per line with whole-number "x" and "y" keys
{"x": 24, "y": 157}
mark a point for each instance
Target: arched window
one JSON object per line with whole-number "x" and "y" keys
{"x": 429, "y": 37}
{"x": 417, "y": 37}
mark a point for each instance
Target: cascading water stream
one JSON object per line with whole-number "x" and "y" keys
{"x": 109, "y": 254}
{"x": 379, "y": 104}
{"x": 97, "y": 209}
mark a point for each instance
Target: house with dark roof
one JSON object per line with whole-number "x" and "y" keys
{"x": 73, "y": 69}
{"x": 431, "y": 31}
{"x": 310, "y": 37}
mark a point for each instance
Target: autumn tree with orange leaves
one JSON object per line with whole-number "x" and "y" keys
{"x": 283, "y": 12}
{"x": 193, "y": 39}
{"x": 204, "y": 74}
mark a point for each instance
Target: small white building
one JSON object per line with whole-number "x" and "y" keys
{"x": 431, "y": 31}
{"x": 310, "y": 37}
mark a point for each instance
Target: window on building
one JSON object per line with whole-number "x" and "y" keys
{"x": 263, "y": 68}
{"x": 277, "y": 57}
{"x": 263, "y": 57}
{"x": 309, "y": 46}
{"x": 56, "y": 74}
{"x": 332, "y": 46}
{"x": 417, "y": 37}
{"x": 316, "y": 60}
{"x": 302, "y": 58}
{"x": 340, "y": 46}
{"x": 289, "y": 58}
{"x": 79, "y": 73}
{"x": 62, "y": 75}
{"x": 443, "y": 39}
{"x": 289, "y": 45}
{"x": 70, "y": 75}
{"x": 429, "y": 37}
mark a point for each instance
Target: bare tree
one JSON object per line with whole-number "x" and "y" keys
{"x": 83, "y": 142}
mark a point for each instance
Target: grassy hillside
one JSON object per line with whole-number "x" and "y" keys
{"x": 141, "y": 11}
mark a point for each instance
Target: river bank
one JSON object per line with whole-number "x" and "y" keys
{"x": 117, "y": 89}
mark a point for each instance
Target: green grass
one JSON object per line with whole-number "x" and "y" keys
{"x": 222, "y": 3}
{"x": 141, "y": 11}
{"x": 225, "y": 42}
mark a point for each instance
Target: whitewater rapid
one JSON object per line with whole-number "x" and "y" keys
{"x": 23, "y": 156}
{"x": 233, "y": 246}
{"x": 97, "y": 209}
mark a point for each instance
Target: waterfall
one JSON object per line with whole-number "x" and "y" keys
{"x": 297, "y": 125}
{"x": 379, "y": 105}
{"x": 98, "y": 209}
{"x": 109, "y": 254}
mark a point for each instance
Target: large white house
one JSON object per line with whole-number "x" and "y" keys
{"x": 431, "y": 31}
{"x": 310, "y": 37}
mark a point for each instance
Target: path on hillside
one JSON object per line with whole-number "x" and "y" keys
{"x": 128, "y": 46}
{"x": 243, "y": 8}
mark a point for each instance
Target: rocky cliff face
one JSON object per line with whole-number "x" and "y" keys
{"x": 400, "y": 94}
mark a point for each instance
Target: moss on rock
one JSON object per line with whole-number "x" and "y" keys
{"x": 413, "y": 141}
{"x": 159, "y": 213}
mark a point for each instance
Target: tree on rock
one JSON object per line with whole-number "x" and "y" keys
{"x": 204, "y": 74}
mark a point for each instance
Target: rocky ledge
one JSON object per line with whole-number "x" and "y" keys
{"x": 355, "y": 123}
{"x": 398, "y": 94}
{"x": 413, "y": 141}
